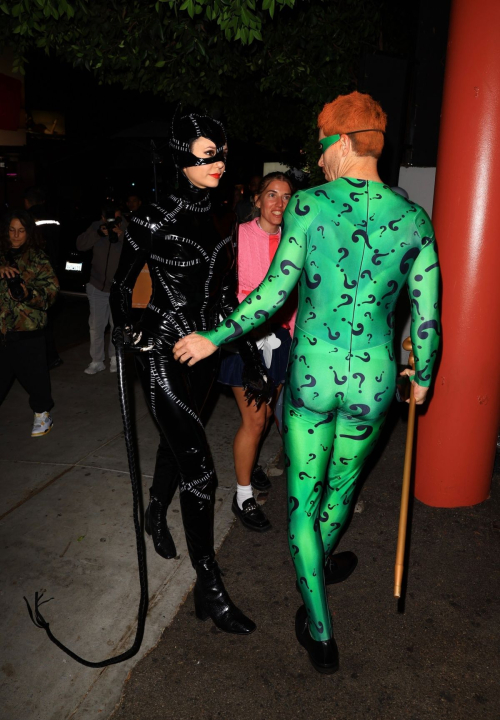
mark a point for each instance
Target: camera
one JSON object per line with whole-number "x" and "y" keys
{"x": 110, "y": 222}
{"x": 15, "y": 285}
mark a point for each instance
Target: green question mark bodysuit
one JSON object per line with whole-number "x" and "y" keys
{"x": 350, "y": 245}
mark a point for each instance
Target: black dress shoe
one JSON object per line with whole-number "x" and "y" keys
{"x": 251, "y": 515}
{"x": 212, "y": 601}
{"x": 323, "y": 654}
{"x": 155, "y": 524}
{"x": 259, "y": 479}
{"x": 338, "y": 567}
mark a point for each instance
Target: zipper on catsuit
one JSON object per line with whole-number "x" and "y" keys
{"x": 359, "y": 271}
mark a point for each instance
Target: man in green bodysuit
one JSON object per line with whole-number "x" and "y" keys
{"x": 350, "y": 245}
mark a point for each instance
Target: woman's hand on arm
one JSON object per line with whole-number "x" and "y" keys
{"x": 192, "y": 348}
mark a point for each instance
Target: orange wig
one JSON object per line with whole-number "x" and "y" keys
{"x": 356, "y": 111}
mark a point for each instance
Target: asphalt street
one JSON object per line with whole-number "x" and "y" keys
{"x": 434, "y": 656}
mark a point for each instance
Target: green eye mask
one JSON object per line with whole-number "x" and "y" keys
{"x": 325, "y": 143}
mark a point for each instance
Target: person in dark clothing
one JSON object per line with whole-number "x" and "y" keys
{"x": 106, "y": 244}
{"x": 192, "y": 273}
{"x": 134, "y": 202}
{"x": 28, "y": 287}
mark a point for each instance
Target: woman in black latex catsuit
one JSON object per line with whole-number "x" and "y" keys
{"x": 192, "y": 274}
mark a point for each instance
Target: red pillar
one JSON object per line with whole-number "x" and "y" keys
{"x": 456, "y": 435}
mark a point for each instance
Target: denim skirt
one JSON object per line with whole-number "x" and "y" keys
{"x": 231, "y": 367}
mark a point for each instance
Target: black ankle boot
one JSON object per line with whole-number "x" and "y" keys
{"x": 212, "y": 601}
{"x": 155, "y": 524}
{"x": 338, "y": 567}
{"x": 323, "y": 654}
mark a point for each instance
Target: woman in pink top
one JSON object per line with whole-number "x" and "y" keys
{"x": 257, "y": 243}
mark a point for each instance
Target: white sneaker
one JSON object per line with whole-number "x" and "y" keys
{"x": 94, "y": 368}
{"x": 112, "y": 364}
{"x": 42, "y": 424}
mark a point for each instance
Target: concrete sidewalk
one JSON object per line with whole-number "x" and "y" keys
{"x": 66, "y": 528}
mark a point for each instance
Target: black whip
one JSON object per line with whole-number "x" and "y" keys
{"x": 37, "y": 617}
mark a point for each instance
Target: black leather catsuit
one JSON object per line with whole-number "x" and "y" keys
{"x": 192, "y": 274}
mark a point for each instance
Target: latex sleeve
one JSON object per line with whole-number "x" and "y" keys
{"x": 423, "y": 290}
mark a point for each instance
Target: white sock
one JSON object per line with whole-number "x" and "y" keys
{"x": 243, "y": 492}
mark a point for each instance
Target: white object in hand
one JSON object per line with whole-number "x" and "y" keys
{"x": 267, "y": 344}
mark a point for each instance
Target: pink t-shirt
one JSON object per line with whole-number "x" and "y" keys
{"x": 256, "y": 249}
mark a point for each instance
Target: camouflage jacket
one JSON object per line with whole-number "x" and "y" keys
{"x": 42, "y": 286}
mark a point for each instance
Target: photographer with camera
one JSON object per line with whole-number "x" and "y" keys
{"x": 28, "y": 287}
{"x": 105, "y": 238}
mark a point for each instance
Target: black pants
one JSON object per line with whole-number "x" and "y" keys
{"x": 176, "y": 394}
{"x": 23, "y": 356}
{"x": 52, "y": 353}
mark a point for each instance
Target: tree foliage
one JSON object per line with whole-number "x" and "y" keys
{"x": 266, "y": 65}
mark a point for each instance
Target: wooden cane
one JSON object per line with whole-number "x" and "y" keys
{"x": 405, "y": 492}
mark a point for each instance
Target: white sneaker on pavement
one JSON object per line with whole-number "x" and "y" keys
{"x": 42, "y": 424}
{"x": 112, "y": 364}
{"x": 94, "y": 368}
